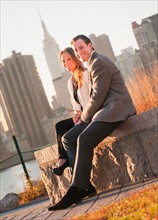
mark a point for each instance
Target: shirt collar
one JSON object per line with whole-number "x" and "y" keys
{"x": 88, "y": 62}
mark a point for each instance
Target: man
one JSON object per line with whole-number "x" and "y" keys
{"x": 109, "y": 104}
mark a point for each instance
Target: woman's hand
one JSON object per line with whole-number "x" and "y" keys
{"x": 79, "y": 122}
{"x": 77, "y": 117}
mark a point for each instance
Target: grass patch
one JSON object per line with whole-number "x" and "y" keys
{"x": 142, "y": 205}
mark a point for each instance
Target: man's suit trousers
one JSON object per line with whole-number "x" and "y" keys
{"x": 79, "y": 143}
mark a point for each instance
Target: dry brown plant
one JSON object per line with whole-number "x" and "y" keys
{"x": 143, "y": 88}
{"x": 33, "y": 190}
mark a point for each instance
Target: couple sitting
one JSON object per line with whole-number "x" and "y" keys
{"x": 100, "y": 103}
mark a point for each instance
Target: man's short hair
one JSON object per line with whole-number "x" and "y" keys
{"x": 82, "y": 37}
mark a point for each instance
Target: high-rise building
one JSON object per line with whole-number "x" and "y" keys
{"x": 127, "y": 61}
{"x": 147, "y": 32}
{"x": 103, "y": 46}
{"x": 146, "y": 35}
{"x": 58, "y": 74}
{"x": 24, "y": 100}
{"x": 51, "y": 51}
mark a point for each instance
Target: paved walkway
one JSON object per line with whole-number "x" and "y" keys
{"x": 39, "y": 211}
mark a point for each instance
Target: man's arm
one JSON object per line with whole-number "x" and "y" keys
{"x": 101, "y": 78}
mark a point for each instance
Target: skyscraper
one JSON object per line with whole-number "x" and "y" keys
{"x": 58, "y": 74}
{"x": 146, "y": 35}
{"x": 127, "y": 61}
{"x": 51, "y": 51}
{"x": 146, "y": 32}
{"x": 24, "y": 100}
{"x": 103, "y": 46}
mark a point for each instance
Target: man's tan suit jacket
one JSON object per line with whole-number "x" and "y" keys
{"x": 110, "y": 100}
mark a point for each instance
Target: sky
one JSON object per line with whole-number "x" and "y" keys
{"x": 21, "y": 28}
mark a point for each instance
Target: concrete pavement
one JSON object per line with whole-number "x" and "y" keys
{"x": 39, "y": 210}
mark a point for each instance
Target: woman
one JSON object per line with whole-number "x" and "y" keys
{"x": 79, "y": 89}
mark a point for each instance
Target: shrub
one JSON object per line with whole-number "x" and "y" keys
{"x": 33, "y": 190}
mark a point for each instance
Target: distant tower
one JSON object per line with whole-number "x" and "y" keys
{"x": 24, "y": 101}
{"x": 103, "y": 46}
{"x": 51, "y": 51}
{"x": 58, "y": 74}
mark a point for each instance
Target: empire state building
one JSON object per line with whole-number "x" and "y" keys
{"x": 58, "y": 74}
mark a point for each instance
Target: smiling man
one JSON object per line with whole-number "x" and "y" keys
{"x": 109, "y": 104}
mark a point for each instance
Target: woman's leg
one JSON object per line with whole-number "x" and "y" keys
{"x": 60, "y": 129}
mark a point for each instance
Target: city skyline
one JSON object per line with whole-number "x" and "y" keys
{"x": 63, "y": 23}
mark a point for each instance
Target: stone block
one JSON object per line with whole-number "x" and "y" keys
{"x": 149, "y": 140}
{"x": 136, "y": 162}
{"x": 108, "y": 169}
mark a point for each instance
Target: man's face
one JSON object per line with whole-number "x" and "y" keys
{"x": 82, "y": 50}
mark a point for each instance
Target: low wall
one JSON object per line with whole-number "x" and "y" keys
{"x": 129, "y": 154}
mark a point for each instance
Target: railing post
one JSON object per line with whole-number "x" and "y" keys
{"x": 21, "y": 158}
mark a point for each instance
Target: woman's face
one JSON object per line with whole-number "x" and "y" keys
{"x": 68, "y": 62}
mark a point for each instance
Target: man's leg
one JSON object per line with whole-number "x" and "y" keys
{"x": 69, "y": 141}
{"x": 87, "y": 140}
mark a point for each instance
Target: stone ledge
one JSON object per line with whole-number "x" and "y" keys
{"x": 129, "y": 154}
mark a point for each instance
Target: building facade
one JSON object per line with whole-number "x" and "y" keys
{"x": 103, "y": 46}
{"x": 24, "y": 102}
{"x": 127, "y": 61}
{"x": 146, "y": 35}
{"x": 147, "y": 32}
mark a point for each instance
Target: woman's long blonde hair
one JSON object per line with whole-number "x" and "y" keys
{"x": 77, "y": 74}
